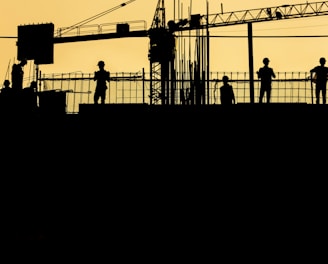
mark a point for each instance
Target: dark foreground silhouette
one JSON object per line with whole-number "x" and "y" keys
{"x": 161, "y": 173}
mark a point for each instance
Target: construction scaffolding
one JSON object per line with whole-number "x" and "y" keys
{"x": 134, "y": 88}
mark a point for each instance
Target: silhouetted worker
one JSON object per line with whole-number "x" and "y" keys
{"x": 6, "y": 96}
{"x": 32, "y": 87}
{"x": 17, "y": 75}
{"x": 227, "y": 95}
{"x": 6, "y": 89}
{"x": 6, "y": 92}
{"x": 29, "y": 99}
{"x": 102, "y": 76}
{"x": 321, "y": 75}
{"x": 266, "y": 74}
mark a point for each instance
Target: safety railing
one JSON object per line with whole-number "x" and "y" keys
{"x": 134, "y": 88}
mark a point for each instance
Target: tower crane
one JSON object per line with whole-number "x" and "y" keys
{"x": 199, "y": 22}
{"x": 161, "y": 57}
{"x": 162, "y": 48}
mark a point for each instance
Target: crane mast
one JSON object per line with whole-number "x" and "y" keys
{"x": 161, "y": 57}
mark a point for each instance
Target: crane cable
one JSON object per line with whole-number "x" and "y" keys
{"x": 85, "y": 21}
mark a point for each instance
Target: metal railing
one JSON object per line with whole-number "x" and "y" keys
{"x": 134, "y": 88}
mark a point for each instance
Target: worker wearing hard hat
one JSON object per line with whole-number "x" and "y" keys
{"x": 266, "y": 74}
{"x": 321, "y": 77}
{"x": 102, "y": 77}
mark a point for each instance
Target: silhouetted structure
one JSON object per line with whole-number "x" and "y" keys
{"x": 17, "y": 75}
{"x": 266, "y": 74}
{"x": 134, "y": 198}
{"x": 320, "y": 79}
{"x": 102, "y": 76}
{"x": 227, "y": 95}
{"x": 182, "y": 97}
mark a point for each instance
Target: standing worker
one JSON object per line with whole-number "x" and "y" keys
{"x": 5, "y": 92}
{"x": 6, "y": 89}
{"x": 227, "y": 94}
{"x": 321, "y": 75}
{"x": 266, "y": 74}
{"x": 102, "y": 76}
{"x": 17, "y": 75}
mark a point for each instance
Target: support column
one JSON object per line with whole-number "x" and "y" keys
{"x": 250, "y": 62}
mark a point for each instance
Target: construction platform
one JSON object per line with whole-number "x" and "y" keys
{"x": 159, "y": 172}
{"x": 168, "y": 120}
